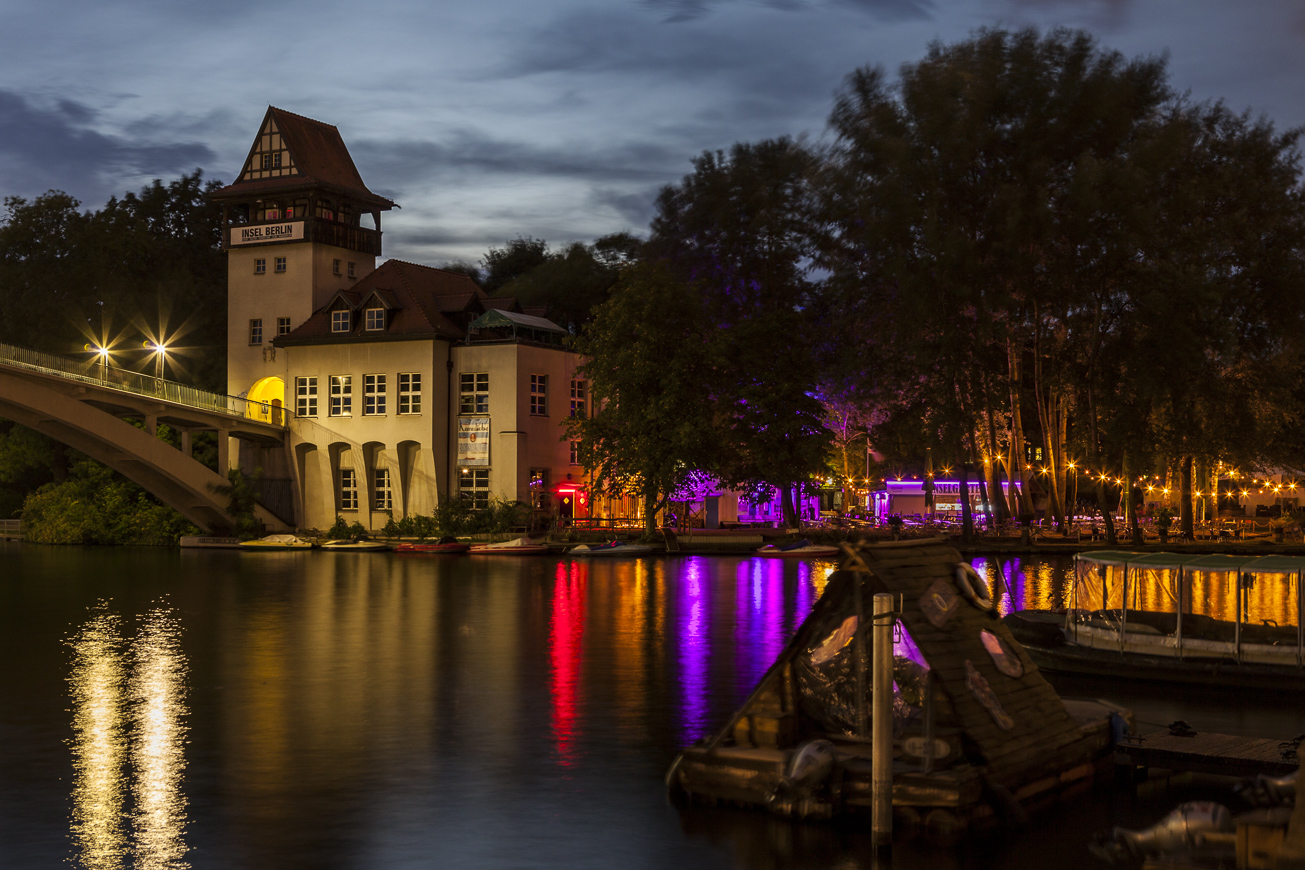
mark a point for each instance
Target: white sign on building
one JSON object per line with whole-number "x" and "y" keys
{"x": 291, "y": 232}
{"x": 473, "y": 441}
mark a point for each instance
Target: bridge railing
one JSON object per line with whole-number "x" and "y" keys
{"x": 140, "y": 384}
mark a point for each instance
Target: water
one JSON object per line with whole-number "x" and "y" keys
{"x": 218, "y": 709}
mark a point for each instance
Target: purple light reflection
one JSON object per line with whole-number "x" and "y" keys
{"x": 759, "y": 631}
{"x": 691, "y": 622}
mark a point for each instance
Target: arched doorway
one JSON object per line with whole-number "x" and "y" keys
{"x": 266, "y": 399}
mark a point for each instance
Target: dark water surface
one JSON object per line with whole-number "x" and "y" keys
{"x": 219, "y": 709}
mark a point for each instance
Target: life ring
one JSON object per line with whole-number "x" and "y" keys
{"x": 972, "y": 586}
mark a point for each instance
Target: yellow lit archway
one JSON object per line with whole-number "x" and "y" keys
{"x": 266, "y": 398}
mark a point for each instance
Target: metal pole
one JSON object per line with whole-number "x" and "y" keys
{"x": 858, "y": 651}
{"x": 882, "y": 724}
{"x": 1239, "y": 617}
{"x": 1182, "y": 576}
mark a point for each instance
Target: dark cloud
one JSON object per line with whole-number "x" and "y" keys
{"x": 56, "y": 147}
{"x": 887, "y": 10}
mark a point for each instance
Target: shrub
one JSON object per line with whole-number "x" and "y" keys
{"x": 339, "y": 531}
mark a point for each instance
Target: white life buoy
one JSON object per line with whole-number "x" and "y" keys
{"x": 972, "y": 586}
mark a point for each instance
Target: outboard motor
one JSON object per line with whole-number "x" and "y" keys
{"x": 808, "y": 769}
{"x": 1180, "y": 830}
{"x": 1268, "y": 791}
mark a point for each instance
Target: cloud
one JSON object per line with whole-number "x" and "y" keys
{"x": 57, "y": 146}
{"x": 678, "y": 11}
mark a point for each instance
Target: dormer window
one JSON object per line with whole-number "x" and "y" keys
{"x": 375, "y": 319}
{"x": 340, "y": 320}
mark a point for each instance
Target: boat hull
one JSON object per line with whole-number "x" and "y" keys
{"x": 801, "y": 553}
{"x": 436, "y": 549}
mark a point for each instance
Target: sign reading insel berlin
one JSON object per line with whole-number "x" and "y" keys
{"x": 473, "y": 441}
{"x": 291, "y": 232}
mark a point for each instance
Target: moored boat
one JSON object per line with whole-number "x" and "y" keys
{"x": 515, "y": 547}
{"x": 1139, "y": 616}
{"x": 447, "y": 545}
{"x": 802, "y": 549}
{"x": 356, "y": 546}
{"x": 277, "y": 542}
{"x": 611, "y": 549}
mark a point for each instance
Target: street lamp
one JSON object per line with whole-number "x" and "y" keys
{"x": 160, "y": 352}
{"x": 103, "y": 354}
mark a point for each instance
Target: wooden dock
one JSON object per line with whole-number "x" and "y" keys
{"x": 1205, "y": 752}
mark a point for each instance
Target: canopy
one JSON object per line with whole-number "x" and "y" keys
{"x": 1193, "y": 562}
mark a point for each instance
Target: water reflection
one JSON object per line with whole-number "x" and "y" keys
{"x": 128, "y": 717}
{"x": 569, "y": 594}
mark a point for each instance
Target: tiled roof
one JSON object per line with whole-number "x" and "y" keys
{"x": 320, "y": 157}
{"x": 427, "y": 303}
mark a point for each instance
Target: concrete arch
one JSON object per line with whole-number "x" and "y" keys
{"x": 269, "y": 394}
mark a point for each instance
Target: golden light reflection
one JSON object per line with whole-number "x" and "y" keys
{"x": 99, "y": 743}
{"x": 157, "y": 690}
{"x": 128, "y": 716}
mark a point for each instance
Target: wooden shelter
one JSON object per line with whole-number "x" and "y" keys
{"x": 978, "y": 732}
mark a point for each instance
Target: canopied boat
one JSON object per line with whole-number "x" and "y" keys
{"x": 277, "y": 542}
{"x": 1214, "y": 620}
{"x": 447, "y": 545}
{"x": 615, "y": 549}
{"x": 516, "y": 547}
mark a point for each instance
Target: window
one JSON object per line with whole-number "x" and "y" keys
{"x": 272, "y": 213}
{"x": 410, "y": 393}
{"x": 335, "y": 267}
{"x": 325, "y": 210}
{"x": 474, "y": 389}
{"x": 341, "y": 395}
{"x": 306, "y": 397}
{"x": 283, "y": 326}
{"x": 575, "y": 452}
{"x": 267, "y": 161}
{"x": 340, "y": 320}
{"x": 260, "y": 266}
{"x": 256, "y": 331}
{"x": 280, "y": 264}
{"x": 474, "y": 487}
{"x": 577, "y": 398}
{"x": 539, "y": 488}
{"x": 353, "y": 270}
{"x": 383, "y": 495}
{"x": 373, "y": 394}
{"x": 539, "y": 395}
{"x": 374, "y": 319}
{"x": 272, "y": 160}
{"x": 348, "y": 490}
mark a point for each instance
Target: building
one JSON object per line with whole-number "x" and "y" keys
{"x": 401, "y": 384}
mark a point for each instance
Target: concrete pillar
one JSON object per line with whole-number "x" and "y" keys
{"x": 186, "y": 449}
{"x": 224, "y": 451}
{"x": 152, "y": 424}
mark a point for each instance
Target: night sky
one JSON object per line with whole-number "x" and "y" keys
{"x": 498, "y": 118}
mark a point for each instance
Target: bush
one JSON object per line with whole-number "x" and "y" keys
{"x": 96, "y": 506}
{"x": 339, "y": 531}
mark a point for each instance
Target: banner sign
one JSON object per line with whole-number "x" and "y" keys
{"x": 473, "y": 441}
{"x": 291, "y": 232}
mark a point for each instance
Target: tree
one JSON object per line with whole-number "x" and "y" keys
{"x": 571, "y": 283}
{"x": 648, "y": 356}
{"x": 737, "y": 229}
{"x": 516, "y": 258}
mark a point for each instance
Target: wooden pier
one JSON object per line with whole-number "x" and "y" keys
{"x": 1204, "y": 752}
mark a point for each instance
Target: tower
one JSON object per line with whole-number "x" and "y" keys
{"x": 295, "y": 231}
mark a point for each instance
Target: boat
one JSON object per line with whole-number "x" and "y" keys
{"x": 1161, "y": 617}
{"x": 277, "y": 542}
{"x": 357, "y": 546}
{"x": 515, "y": 547}
{"x": 611, "y": 549}
{"x": 802, "y": 549}
{"x": 447, "y": 545}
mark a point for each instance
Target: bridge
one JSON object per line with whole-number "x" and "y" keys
{"x": 87, "y": 407}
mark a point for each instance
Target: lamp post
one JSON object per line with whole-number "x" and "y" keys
{"x": 103, "y": 354}
{"x": 160, "y": 352}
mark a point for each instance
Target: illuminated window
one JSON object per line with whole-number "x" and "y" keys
{"x": 324, "y": 210}
{"x": 473, "y": 486}
{"x": 575, "y": 452}
{"x": 283, "y": 326}
{"x": 383, "y": 494}
{"x": 348, "y": 490}
{"x": 539, "y": 488}
{"x": 256, "y": 331}
{"x": 260, "y": 266}
{"x": 577, "y": 398}
{"x": 340, "y": 320}
{"x": 272, "y": 213}
{"x": 410, "y": 393}
{"x": 539, "y": 395}
{"x": 374, "y": 319}
{"x": 306, "y": 397}
{"x": 373, "y": 395}
{"x": 280, "y": 264}
{"x": 341, "y": 395}
{"x": 474, "y": 393}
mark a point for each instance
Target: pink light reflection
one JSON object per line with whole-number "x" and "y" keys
{"x": 564, "y": 647}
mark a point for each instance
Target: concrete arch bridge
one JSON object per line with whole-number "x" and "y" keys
{"x": 87, "y": 407}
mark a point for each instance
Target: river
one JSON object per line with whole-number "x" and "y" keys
{"x": 224, "y": 709}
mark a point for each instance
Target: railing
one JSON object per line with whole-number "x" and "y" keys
{"x": 11, "y": 528}
{"x": 136, "y": 383}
